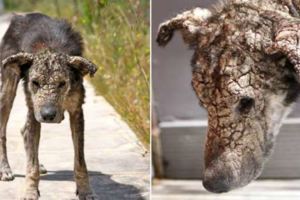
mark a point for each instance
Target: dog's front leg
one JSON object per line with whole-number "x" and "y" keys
{"x": 81, "y": 174}
{"x": 9, "y": 84}
{"x": 31, "y": 136}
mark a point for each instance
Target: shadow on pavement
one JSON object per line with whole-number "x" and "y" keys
{"x": 103, "y": 185}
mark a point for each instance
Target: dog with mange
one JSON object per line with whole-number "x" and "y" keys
{"x": 47, "y": 55}
{"x": 246, "y": 73}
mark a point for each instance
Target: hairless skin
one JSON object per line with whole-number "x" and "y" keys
{"x": 246, "y": 72}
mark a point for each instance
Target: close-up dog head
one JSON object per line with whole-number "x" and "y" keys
{"x": 49, "y": 78}
{"x": 246, "y": 75}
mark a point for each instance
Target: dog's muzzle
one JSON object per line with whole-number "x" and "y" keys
{"x": 49, "y": 113}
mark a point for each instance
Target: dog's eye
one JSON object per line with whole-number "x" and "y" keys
{"x": 35, "y": 83}
{"x": 245, "y": 105}
{"x": 61, "y": 84}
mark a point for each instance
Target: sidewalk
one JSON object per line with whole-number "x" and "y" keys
{"x": 118, "y": 164}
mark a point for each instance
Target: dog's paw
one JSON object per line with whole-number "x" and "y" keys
{"x": 43, "y": 170}
{"x": 6, "y": 173}
{"x": 30, "y": 195}
{"x": 87, "y": 196}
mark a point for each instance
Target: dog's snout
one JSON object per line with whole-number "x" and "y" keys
{"x": 48, "y": 112}
{"x": 217, "y": 183}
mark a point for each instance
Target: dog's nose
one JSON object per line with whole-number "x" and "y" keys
{"x": 48, "y": 113}
{"x": 218, "y": 184}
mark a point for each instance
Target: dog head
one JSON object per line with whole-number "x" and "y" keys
{"x": 246, "y": 75}
{"x": 49, "y": 78}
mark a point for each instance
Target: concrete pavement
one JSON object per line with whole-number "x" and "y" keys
{"x": 117, "y": 162}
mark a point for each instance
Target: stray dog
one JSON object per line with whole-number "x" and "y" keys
{"x": 46, "y": 54}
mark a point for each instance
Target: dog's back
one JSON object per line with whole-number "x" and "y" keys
{"x": 33, "y": 32}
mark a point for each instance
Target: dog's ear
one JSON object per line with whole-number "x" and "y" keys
{"x": 83, "y": 65}
{"x": 18, "y": 61}
{"x": 286, "y": 38}
{"x": 188, "y": 22}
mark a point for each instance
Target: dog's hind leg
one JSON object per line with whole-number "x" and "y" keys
{"x": 9, "y": 84}
{"x": 84, "y": 190}
{"x": 31, "y": 136}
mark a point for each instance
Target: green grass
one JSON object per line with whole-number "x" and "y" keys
{"x": 116, "y": 36}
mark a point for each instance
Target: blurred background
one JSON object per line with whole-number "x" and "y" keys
{"x": 180, "y": 126}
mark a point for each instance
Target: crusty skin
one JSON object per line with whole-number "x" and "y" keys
{"x": 47, "y": 54}
{"x": 246, "y": 72}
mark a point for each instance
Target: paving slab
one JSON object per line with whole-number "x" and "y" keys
{"x": 118, "y": 163}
